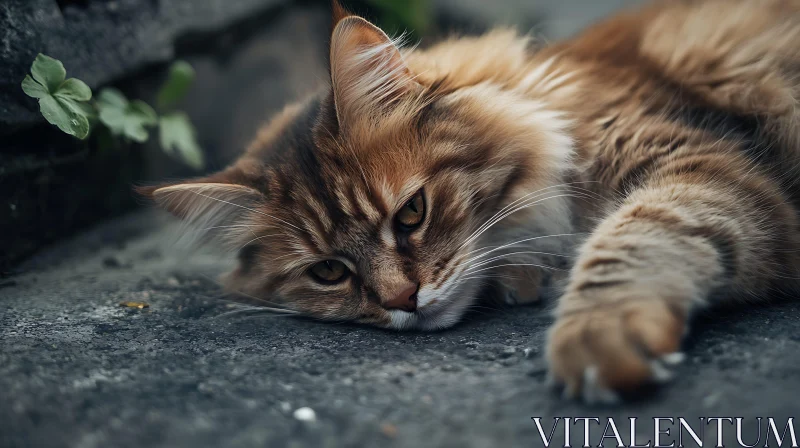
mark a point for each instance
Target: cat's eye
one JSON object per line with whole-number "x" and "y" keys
{"x": 412, "y": 213}
{"x": 329, "y": 271}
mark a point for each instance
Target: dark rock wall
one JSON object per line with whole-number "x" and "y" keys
{"x": 250, "y": 56}
{"x": 100, "y": 41}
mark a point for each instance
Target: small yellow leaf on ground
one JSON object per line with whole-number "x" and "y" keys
{"x": 139, "y": 305}
{"x": 389, "y": 430}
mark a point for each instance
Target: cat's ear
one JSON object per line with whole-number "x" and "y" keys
{"x": 367, "y": 69}
{"x": 227, "y": 212}
{"x": 338, "y": 13}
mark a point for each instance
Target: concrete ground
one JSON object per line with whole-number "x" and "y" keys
{"x": 79, "y": 370}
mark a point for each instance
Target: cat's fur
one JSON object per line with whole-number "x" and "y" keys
{"x": 669, "y": 135}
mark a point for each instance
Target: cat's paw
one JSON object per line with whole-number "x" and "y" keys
{"x": 596, "y": 351}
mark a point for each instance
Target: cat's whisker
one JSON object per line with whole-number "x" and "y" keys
{"x": 273, "y": 312}
{"x": 248, "y": 209}
{"x": 520, "y": 202}
{"x": 227, "y": 227}
{"x": 509, "y": 213}
{"x": 519, "y": 206}
{"x": 269, "y": 303}
{"x": 517, "y": 264}
{"x": 504, "y": 256}
{"x": 500, "y": 212}
{"x": 258, "y": 299}
{"x": 238, "y": 303}
{"x": 512, "y": 244}
{"x": 527, "y": 196}
{"x": 258, "y": 238}
{"x": 512, "y": 204}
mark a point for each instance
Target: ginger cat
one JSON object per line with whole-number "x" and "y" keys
{"x": 656, "y": 153}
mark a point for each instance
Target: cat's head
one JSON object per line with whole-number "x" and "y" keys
{"x": 370, "y": 201}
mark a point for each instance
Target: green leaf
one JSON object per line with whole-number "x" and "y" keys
{"x": 79, "y": 119}
{"x": 143, "y": 111}
{"x": 135, "y": 126}
{"x": 113, "y": 118}
{"x": 65, "y": 115}
{"x": 181, "y": 75}
{"x": 33, "y": 89}
{"x": 88, "y": 110}
{"x": 128, "y": 119}
{"x": 112, "y": 97}
{"x": 48, "y": 71}
{"x": 55, "y": 114}
{"x": 136, "y": 132}
{"x": 74, "y": 89}
{"x": 178, "y": 138}
{"x": 62, "y": 103}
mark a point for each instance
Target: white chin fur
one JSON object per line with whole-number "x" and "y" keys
{"x": 444, "y": 317}
{"x": 446, "y": 312}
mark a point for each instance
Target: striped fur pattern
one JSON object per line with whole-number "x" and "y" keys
{"x": 668, "y": 135}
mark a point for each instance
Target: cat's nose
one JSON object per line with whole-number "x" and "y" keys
{"x": 405, "y": 300}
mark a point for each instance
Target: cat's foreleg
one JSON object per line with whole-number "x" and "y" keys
{"x": 674, "y": 245}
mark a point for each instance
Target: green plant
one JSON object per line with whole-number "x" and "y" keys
{"x": 68, "y": 104}
{"x": 403, "y": 16}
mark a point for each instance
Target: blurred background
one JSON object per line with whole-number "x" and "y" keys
{"x": 250, "y": 57}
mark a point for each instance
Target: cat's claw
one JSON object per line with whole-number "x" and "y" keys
{"x": 672, "y": 359}
{"x": 594, "y": 392}
{"x": 599, "y": 352}
{"x": 660, "y": 373}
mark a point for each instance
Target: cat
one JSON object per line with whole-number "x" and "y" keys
{"x": 655, "y": 154}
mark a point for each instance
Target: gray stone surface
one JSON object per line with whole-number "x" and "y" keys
{"x": 77, "y": 370}
{"x": 100, "y": 41}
